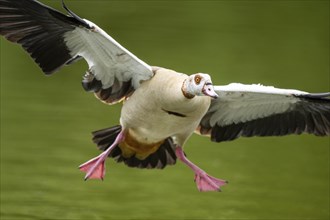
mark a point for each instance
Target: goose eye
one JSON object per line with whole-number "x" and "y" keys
{"x": 198, "y": 79}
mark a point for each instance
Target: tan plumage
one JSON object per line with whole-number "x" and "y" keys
{"x": 146, "y": 127}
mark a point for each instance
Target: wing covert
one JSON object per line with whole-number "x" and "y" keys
{"x": 53, "y": 40}
{"x": 256, "y": 110}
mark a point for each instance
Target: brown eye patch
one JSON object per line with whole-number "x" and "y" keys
{"x": 198, "y": 79}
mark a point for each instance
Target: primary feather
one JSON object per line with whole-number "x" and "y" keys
{"x": 53, "y": 40}
{"x": 256, "y": 110}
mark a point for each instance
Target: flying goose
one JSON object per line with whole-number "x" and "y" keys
{"x": 161, "y": 108}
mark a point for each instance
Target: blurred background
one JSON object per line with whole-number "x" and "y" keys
{"x": 46, "y": 121}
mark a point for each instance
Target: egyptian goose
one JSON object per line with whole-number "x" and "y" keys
{"x": 161, "y": 108}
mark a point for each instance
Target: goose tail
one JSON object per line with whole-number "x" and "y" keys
{"x": 163, "y": 156}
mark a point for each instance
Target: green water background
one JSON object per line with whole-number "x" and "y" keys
{"x": 46, "y": 121}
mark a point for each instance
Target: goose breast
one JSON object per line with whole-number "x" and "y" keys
{"x": 158, "y": 109}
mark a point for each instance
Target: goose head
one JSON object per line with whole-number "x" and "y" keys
{"x": 199, "y": 84}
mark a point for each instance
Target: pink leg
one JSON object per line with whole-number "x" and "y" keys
{"x": 204, "y": 181}
{"x": 95, "y": 168}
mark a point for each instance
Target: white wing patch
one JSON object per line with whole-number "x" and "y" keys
{"x": 239, "y": 103}
{"x": 106, "y": 58}
{"x": 257, "y": 88}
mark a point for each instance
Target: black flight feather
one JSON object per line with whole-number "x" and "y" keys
{"x": 40, "y": 30}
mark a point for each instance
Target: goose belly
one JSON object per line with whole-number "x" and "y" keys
{"x": 151, "y": 120}
{"x": 149, "y": 125}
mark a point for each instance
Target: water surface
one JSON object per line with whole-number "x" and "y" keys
{"x": 46, "y": 121}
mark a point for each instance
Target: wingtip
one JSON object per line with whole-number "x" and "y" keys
{"x": 72, "y": 14}
{"x": 324, "y": 95}
{"x": 65, "y": 7}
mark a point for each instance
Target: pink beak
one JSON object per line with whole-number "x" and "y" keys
{"x": 208, "y": 90}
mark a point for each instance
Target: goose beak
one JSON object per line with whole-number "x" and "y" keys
{"x": 208, "y": 90}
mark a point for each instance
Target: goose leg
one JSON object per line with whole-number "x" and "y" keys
{"x": 95, "y": 167}
{"x": 203, "y": 181}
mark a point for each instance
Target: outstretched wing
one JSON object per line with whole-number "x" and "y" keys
{"x": 53, "y": 39}
{"x": 256, "y": 110}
